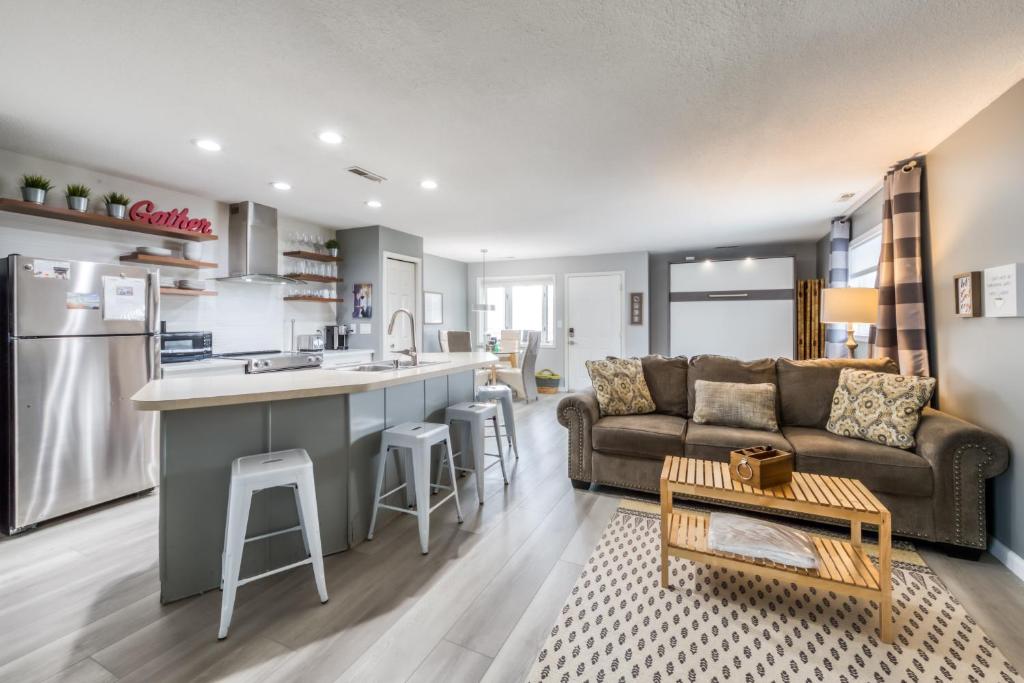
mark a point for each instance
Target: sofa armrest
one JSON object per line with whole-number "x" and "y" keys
{"x": 578, "y": 412}
{"x": 962, "y": 457}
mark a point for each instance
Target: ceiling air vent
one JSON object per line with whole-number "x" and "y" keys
{"x": 363, "y": 173}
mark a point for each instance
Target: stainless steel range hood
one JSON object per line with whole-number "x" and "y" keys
{"x": 252, "y": 245}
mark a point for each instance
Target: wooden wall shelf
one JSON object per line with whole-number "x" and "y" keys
{"x": 57, "y": 213}
{"x": 313, "y": 256}
{"x": 170, "y": 261}
{"x": 313, "y": 278}
{"x": 315, "y": 299}
{"x": 174, "y": 291}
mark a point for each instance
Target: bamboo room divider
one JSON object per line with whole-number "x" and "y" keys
{"x": 810, "y": 332}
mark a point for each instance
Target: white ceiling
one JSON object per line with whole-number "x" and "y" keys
{"x": 553, "y": 127}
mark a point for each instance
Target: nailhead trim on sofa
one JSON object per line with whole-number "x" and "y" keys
{"x": 980, "y": 541}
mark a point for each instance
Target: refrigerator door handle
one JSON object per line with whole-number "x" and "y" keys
{"x": 153, "y": 305}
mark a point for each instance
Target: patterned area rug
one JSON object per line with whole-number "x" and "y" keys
{"x": 719, "y": 625}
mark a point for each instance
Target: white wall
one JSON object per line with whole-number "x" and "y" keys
{"x": 634, "y": 264}
{"x": 242, "y": 317}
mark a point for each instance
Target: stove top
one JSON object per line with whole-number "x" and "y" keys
{"x": 275, "y": 361}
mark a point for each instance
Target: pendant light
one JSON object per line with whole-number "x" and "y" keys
{"x": 484, "y": 307}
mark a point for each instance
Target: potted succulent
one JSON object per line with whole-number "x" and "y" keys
{"x": 78, "y": 197}
{"x": 332, "y": 247}
{"x": 34, "y": 188}
{"x": 117, "y": 204}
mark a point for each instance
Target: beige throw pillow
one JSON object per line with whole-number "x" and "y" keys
{"x": 734, "y": 404}
{"x": 879, "y": 407}
{"x": 620, "y": 386}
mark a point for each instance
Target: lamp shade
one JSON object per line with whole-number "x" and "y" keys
{"x": 849, "y": 305}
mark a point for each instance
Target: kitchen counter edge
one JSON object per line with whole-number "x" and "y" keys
{"x": 180, "y": 393}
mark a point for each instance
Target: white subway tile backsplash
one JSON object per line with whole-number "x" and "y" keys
{"x": 242, "y": 316}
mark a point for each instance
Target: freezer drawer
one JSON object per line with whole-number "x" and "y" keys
{"x": 77, "y": 440}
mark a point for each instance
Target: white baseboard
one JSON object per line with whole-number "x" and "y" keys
{"x": 1013, "y": 561}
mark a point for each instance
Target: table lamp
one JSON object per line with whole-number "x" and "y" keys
{"x": 849, "y": 305}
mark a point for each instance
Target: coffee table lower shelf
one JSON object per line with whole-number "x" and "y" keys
{"x": 842, "y": 566}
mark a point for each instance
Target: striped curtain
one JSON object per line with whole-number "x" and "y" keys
{"x": 810, "y": 333}
{"x": 835, "y": 334}
{"x": 901, "y": 332}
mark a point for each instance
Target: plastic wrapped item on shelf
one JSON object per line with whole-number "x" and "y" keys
{"x": 750, "y": 537}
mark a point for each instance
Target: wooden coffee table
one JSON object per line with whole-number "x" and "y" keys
{"x": 844, "y": 567}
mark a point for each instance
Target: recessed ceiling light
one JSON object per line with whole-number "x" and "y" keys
{"x": 374, "y": 204}
{"x": 846, "y": 196}
{"x": 330, "y": 137}
{"x": 280, "y": 185}
{"x": 428, "y": 184}
{"x": 207, "y": 144}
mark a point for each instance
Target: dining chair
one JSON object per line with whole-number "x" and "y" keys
{"x": 523, "y": 379}
{"x": 461, "y": 341}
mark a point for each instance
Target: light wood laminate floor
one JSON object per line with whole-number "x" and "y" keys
{"x": 79, "y": 598}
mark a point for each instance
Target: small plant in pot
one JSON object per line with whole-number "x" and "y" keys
{"x": 332, "y": 247}
{"x": 34, "y": 188}
{"x": 78, "y": 197}
{"x": 117, "y": 204}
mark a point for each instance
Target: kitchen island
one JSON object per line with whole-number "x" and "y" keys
{"x": 335, "y": 414}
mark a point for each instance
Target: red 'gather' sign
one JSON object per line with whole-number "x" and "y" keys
{"x": 142, "y": 212}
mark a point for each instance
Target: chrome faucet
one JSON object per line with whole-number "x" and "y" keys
{"x": 411, "y": 351}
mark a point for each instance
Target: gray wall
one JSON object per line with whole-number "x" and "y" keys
{"x": 363, "y": 250}
{"x": 974, "y": 205}
{"x": 450, "y": 278}
{"x": 634, "y": 264}
{"x": 805, "y": 263}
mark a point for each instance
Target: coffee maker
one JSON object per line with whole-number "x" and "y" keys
{"x": 336, "y": 337}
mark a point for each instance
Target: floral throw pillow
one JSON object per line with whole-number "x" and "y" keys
{"x": 620, "y": 386}
{"x": 879, "y": 407}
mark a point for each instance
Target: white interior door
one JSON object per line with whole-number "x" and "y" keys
{"x": 400, "y": 281}
{"x": 593, "y": 325}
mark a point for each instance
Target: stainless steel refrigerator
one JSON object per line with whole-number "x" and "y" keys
{"x": 79, "y": 340}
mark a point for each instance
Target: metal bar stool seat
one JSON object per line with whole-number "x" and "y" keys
{"x": 501, "y": 394}
{"x": 249, "y": 475}
{"x": 414, "y": 441}
{"x": 474, "y": 416}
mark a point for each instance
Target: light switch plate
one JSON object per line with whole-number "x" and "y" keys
{"x": 364, "y": 328}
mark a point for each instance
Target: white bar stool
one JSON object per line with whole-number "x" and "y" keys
{"x": 475, "y": 416}
{"x": 415, "y": 439}
{"x": 501, "y": 394}
{"x": 253, "y": 473}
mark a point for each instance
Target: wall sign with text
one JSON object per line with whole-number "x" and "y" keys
{"x": 636, "y": 308}
{"x": 1004, "y": 291}
{"x": 145, "y": 212}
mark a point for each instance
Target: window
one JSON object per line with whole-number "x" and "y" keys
{"x": 863, "y": 264}
{"x": 519, "y": 304}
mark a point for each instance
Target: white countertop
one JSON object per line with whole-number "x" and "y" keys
{"x": 177, "y": 393}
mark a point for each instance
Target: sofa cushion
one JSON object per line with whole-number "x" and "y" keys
{"x": 880, "y": 468}
{"x": 712, "y": 442}
{"x": 879, "y": 407}
{"x": 620, "y": 386}
{"x": 806, "y": 387}
{"x": 647, "y": 436}
{"x": 724, "y": 369}
{"x": 734, "y": 404}
{"x": 666, "y": 380}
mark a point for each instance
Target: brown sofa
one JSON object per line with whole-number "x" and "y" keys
{"x": 935, "y": 492}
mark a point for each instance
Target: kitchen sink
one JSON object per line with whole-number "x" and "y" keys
{"x": 386, "y": 366}
{"x": 368, "y": 367}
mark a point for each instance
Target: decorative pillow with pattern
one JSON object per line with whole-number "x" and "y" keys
{"x": 620, "y": 386}
{"x": 735, "y": 404}
{"x": 879, "y": 407}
